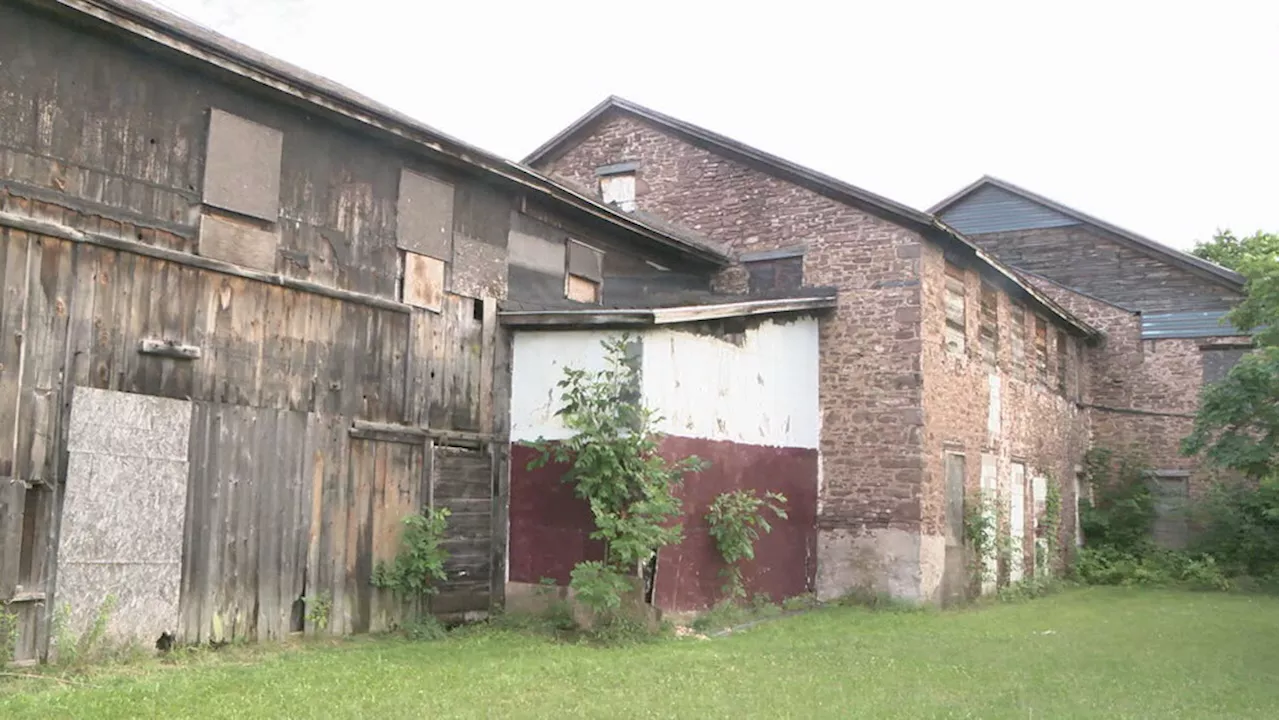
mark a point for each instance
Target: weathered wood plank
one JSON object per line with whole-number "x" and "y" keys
{"x": 488, "y": 343}
{"x": 267, "y": 483}
{"x": 437, "y": 371}
{"x": 12, "y": 314}
{"x": 500, "y": 455}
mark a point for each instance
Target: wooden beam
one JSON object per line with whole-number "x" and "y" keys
{"x": 63, "y": 232}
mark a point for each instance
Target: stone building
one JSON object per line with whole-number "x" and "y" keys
{"x": 942, "y": 372}
{"x": 1162, "y": 312}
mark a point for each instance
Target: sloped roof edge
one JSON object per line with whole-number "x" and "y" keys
{"x": 843, "y": 191}
{"x": 614, "y": 317}
{"x": 836, "y": 189}
{"x": 1187, "y": 260}
{"x": 157, "y": 25}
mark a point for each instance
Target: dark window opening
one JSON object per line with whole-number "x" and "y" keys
{"x": 1218, "y": 362}
{"x": 764, "y": 276}
{"x": 477, "y": 310}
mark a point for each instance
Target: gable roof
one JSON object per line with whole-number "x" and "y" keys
{"x": 812, "y": 179}
{"x": 820, "y": 183}
{"x": 150, "y": 23}
{"x": 1057, "y": 212}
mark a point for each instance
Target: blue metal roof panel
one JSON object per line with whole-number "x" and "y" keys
{"x": 1211, "y": 323}
{"x": 991, "y": 209}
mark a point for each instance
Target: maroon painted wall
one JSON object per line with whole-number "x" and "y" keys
{"x": 549, "y": 526}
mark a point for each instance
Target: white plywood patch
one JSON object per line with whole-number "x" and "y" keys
{"x": 988, "y": 482}
{"x": 1017, "y": 518}
{"x": 123, "y": 512}
{"x": 423, "y": 281}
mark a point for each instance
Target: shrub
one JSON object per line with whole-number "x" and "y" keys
{"x": 736, "y": 520}
{"x": 1238, "y": 527}
{"x": 1109, "y": 566}
{"x": 420, "y": 563}
{"x": 1123, "y": 508}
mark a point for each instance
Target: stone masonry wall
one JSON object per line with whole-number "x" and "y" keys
{"x": 1095, "y": 262}
{"x": 973, "y": 409}
{"x": 1144, "y": 393}
{"x": 871, "y": 378}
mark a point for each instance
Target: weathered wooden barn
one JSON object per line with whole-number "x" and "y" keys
{"x": 250, "y": 321}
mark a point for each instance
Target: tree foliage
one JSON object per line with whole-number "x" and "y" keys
{"x": 1236, "y": 425}
{"x": 1231, "y": 252}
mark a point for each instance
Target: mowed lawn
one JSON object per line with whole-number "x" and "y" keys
{"x": 1088, "y": 653}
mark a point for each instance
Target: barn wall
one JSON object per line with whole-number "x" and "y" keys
{"x": 280, "y": 320}
{"x": 746, "y": 402}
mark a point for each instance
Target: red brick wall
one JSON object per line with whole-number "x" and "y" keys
{"x": 870, "y": 376}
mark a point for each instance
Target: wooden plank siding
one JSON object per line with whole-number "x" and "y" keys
{"x": 284, "y": 505}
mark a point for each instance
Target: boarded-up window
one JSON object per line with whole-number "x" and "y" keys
{"x": 1042, "y": 350}
{"x": 1018, "y": 340}
{"x": 242, "y": 166}
{"x": 619, "y": 190}
{"x": 773, "y": 275}
{"x": 584, "y": 272}
{"x": 1218, "y": 362}
{"x": 989, "y": 329}
{"x": 953, "y": 299}
{"x": 423, "y": 281}
{"x": 424, "y": 216}
{"x": 580, "y": 289}
{"x": 1169, "y": 493}
{"x": 1064, "y": 362}
{"x": 953, "y": 467}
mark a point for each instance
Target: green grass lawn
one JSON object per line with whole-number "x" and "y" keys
{"x": 1089, "y": 653}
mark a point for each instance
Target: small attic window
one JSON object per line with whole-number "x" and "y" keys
{"x": 618, "y": 185}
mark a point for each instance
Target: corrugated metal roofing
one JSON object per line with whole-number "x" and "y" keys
{"x": 992, "y": 209}
{"x": 1211, "y": 323}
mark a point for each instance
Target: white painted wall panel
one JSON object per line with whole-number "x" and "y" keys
{"x": 762, "y": 392}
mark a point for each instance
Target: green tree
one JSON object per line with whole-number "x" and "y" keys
{"x": 1236, "y": 424}
{"x": 1230, "y": 251}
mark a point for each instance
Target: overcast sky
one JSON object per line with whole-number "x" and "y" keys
{"x": 1160, "y": 117}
